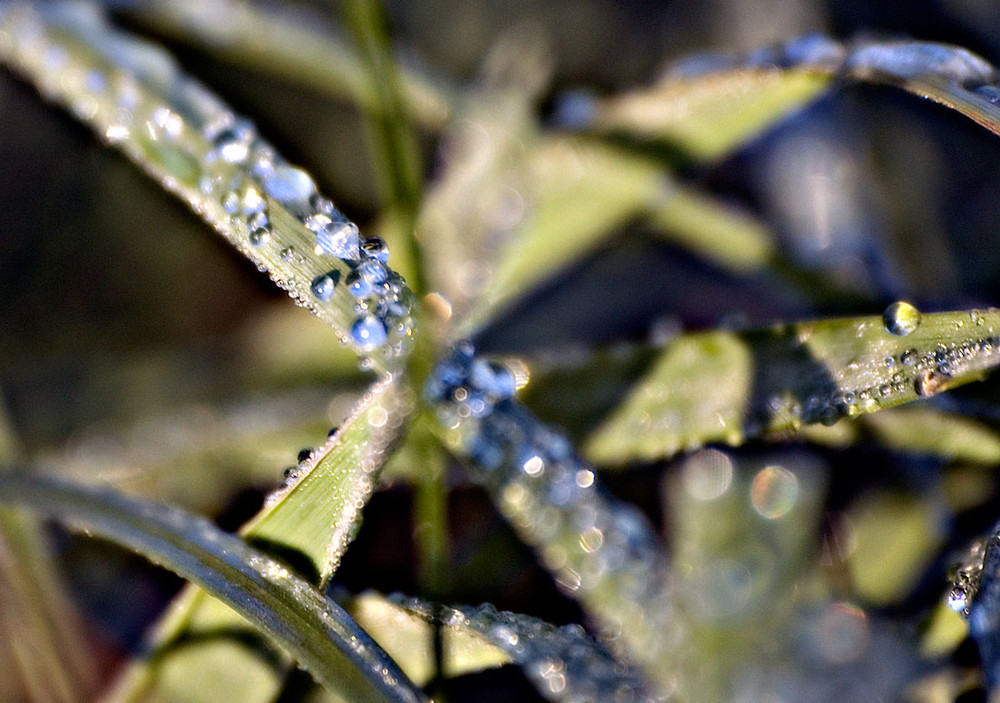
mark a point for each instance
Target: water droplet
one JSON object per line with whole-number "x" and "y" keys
{"x": 337, "y": 237}
{"x": 359, "y": 286}
{"x": 233, "y": 144}
{"x": 259, "y": 236}
{"x": 958, "y": 599}
{"x": 773, "y": 492}
{"x": 286, "y": 253}
{"x": 231, "y": 203}
{"x": 253, "y": 202}
{"x": 376, "y": 248}
{"x": 368, "y": 332}
{"x": 901, "y": 318}
{"x": 373, "y": 271}
{"x": 492, "y": 378}
{"x": 304, "y": 455}
{"x": 288, "y": 184}
{"x": 323, "y": 285}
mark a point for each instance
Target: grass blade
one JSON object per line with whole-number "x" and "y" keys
{"x": 309, "y": 523}
{"x": 290, "y": 46}
{"x": 727, "y": 386}
{"x": 320, "y": 635}
{"x": 135, "y": 97}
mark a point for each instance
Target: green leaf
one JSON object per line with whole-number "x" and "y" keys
{"x": 707, "y": 116}
{"x": 319, "y": 634}
{"x": 178, "y": 132}
{"x": 727, "y": 386}
{"x": 288, "y": 46}
{"x": 309, "y": 522}
{"x": 39, "y": 625}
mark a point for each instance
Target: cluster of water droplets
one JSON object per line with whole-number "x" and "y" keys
{"x": 601, "y": 550}
{"x": 136, "y": 97}
{"x": 565, "y": 663}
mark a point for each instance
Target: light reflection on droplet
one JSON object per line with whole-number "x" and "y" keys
{"x": 707, "y": 474}
{"x": 773, "y": 492}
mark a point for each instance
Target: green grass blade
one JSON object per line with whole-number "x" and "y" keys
{"x": 135, "y": 97}
{"x": 706, "y": 109}
{"x": 727, "y": 386}
{"x": 320, "y": 635}
{"x": 38, "y": 622}
{"x": 707, "y": 116}
{"x": 290, "y": 47}
{"x": 309, "y": 522}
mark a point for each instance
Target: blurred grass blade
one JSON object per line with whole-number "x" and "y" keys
{"x": 292, "y": 46}
{"x": 706, "y": 116}
{"x": 396, "y": 157}
{"x": 727, "y": 386}
{"x": 564, "y": 663}
{"x": 705, "y": 108}
{"x": 135, "y": 97}
{"x": 319, "y": 634}
{"x": 309, "y": 523}
{"x": 37, "y": 618}
{"x": 485, "y": 187}
{"x": 38, "y": 622}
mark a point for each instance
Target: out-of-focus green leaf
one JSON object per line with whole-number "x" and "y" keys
{"x": 319, "y": 634}
{"x": 709, "y": 115}
{"x": 288, "y": 46}
{"x": 924, "y": 430}
{"x": 485, "y": 189}
{"x": 38, "y": 623}
{"x": 726, "y": 386}
{"x": 895, "y": 537}
{"x": 308, "y": 523}
{"x": 722, "y": 234}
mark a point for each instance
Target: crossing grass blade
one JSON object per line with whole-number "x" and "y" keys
{"x": 727, "y": 386}
{"x": 320, "y": 635}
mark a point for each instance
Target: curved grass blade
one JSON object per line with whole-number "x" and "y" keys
{"x": 290, "y": 46}
{"x": 309, "y": 523}
{"x": 707, "y": 107}
{"x": 727, "y": 386}
{"x": 136, "y": 98}
{"x": 318, "y": 633}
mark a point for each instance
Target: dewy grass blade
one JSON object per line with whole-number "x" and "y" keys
{"x": 310, "y": 522}
{"x": 705, "y": 108}
{"x": 136, "y": 98}
{"x": 727, "y": 386}
{"x": 318, "y": 633}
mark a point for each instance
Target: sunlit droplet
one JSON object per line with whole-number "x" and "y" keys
{"x": 901, "y": 318}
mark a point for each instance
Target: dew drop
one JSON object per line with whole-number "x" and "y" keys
{"x": 339, "y": 238}
{"x": 259, "y": 236}
{"x": 233, "y": 144}
{"x": 368, "y": 332}
{"x": 901, "y": 318}
{"x": 286, "y": 253}
{"x": 376, "y": 248}
{"x": 958, "y": 599}
{"x": 288, "y": 184}
{"x": 323, "y": 285}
